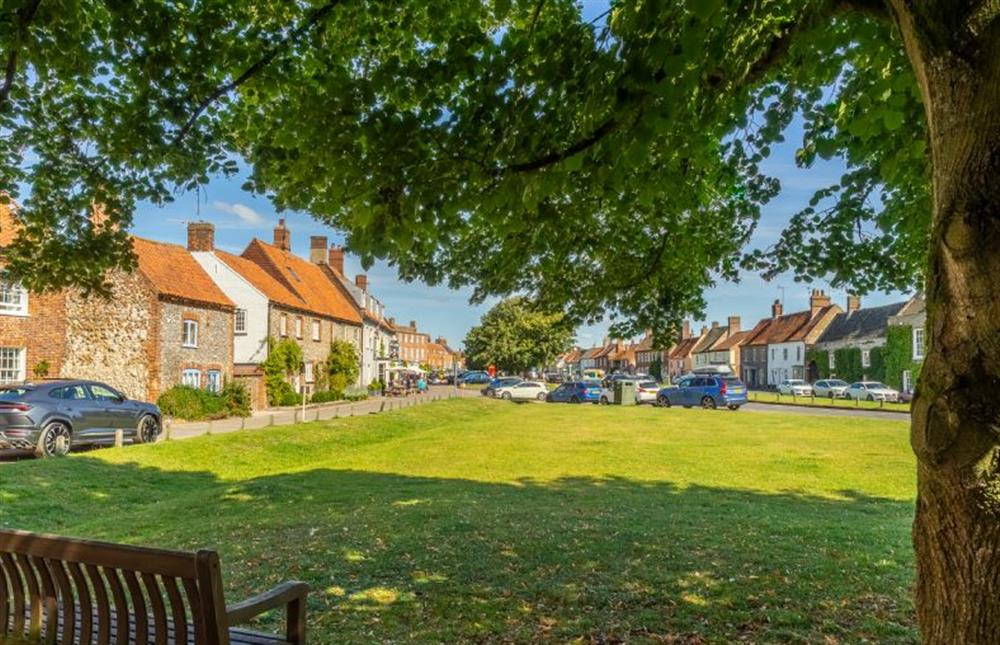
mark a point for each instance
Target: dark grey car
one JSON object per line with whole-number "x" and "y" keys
{"x": 52, "y": 417}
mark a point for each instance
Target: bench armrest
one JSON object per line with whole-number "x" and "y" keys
{"x": 291, "y": 595}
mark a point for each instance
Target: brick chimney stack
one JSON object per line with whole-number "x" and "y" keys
{"x": 853, "y": 303}
{"x": 337, "y": 258}
{"x": 413, "y": 323}
{"x": 715, "y": 324}
{"x": 282, "y": 236}
{"x": 686, "y": 330}
{"x": 317, "y": 249}
{"x": 777, "y": 309}
{"x": 201, "y": 236}
{"x": 441, "y": 340}
{"x": 361, "y": 280}
{"x": 817, "y": 301}
{"x": 734, "y": 324}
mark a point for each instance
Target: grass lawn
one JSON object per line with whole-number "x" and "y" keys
{"x": 481, "y": 520}
{"x": 774, "y": 397}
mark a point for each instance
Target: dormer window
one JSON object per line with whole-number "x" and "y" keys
{"x": 13, "y": 298}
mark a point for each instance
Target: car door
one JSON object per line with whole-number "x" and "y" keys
{"x": 84, "y": 414}
{"x": 116, "y": 412}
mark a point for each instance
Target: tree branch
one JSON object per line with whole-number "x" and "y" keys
{"x": 314, "y": 18}
{"x": 27, "y": 14}
{"x": 603, "y": 130}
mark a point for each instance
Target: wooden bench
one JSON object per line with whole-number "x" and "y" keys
{"x": 67, "y": 591}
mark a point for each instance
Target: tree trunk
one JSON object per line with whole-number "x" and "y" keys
{"x": 955, "y": 429}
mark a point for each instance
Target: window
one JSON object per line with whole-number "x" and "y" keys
{"x": 833, "y": 358}
{"x": 190, "y": 338}
{"x": 214, "y": 380}
{"x": 309, "y": 371}
{"x": 918, "y": 344}
{"x": 191, "y": 378}
{"x": 104, "y": 393}
{"x": 784, "y": 351}
{"x": 11, "y": 364}
{"x": 315, "y": 326}
{"x": 13, "y": 298}
{"x": 866, "y": 358}
{"x": 298, "y": 326}
{"x": 798, "y": 352}
{"x": 772, "y": 354}
{"x": 240, "y": 322}
{"x": 72, "y": 393}
{"x": 283, "y": 325}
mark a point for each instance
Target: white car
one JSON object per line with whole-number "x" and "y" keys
{"x": 796, "y": 387}
{"x": 872, "y": 391}
{"x": 832, "y": 388}
{"x": 523, "y": 391}
{"x": 645, "y": 391}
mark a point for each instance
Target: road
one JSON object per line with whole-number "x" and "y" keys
{"x": 827, "y": 412}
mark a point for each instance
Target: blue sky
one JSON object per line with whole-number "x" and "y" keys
{"x": 239, "y": 217}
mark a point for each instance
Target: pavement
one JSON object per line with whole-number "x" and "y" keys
{"x": 826, "y": 412}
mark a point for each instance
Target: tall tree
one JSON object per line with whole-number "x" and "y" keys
{"x": 515, "y": 336}
{"x": 604, "y": 166}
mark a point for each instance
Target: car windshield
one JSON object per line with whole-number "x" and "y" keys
{"x": 836, "y": 383}
{"x": 795, "y": 382}
{"x": 13, "y": 393}
{"x": 875, "y": 385}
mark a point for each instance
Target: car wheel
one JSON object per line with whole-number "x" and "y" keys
{"x": 663, "y": 402}
{"x": 831, "y": 395}
{"x": 871, "y": 397}
{"x": 733, "y": 407}
{"x": 542, "y": 396}
{"x": 575, "y": 399}
{"x": 708, "y": 403}
{"x": 548, "y": 398}
{"x": 604, "y": 400}
{"x": 55, "y": 441}
{"x": 148, "y": 430}
{"x": 505, "y": 396}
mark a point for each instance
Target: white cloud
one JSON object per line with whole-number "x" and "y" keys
{"x": 244, "y": 212}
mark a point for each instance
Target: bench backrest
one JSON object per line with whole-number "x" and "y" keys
{"x": 63, "y": 590}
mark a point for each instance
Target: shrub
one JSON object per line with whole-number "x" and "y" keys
{"x": 284, "y": 360}
{"x": 236, "y": 397}
{"x": 289, "y": 397}
{"x": 326, "y": 396}
{"x": 192, "y": 404}
{"x": 341, "y": 365}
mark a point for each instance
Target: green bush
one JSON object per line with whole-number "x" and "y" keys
{"x": 284, "y": 360}
{"x": 192, "y": 404}
{"x": 822, "y": 359}
{"x": 236, "y": 397}
{"x": 326, "y": 396}
{"x": 289, "y": 398}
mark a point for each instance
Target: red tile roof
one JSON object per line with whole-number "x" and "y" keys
{"x": 733, "y": 341}
{"x": 821, "y": 316}
{"x": 173, "y": 272}
{"x": 683, "y": 348}
{"x": 778, "y": 330}
{"x": 305, "y": 279}
{"x": 262, "y": 280}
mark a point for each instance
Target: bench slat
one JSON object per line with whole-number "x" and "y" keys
{"x": 83, "y": 598}
{"x": 156, "y": 604}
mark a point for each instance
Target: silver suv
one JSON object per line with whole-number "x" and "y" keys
{"x": 52, "y": 417}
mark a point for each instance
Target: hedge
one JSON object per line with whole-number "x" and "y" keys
{"x": 898, "y": 355}
{"x": 194, "y": 404}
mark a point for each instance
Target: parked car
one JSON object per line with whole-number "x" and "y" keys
{"x": 872, "y": 391}
{"x": 51, "y": 418}
{"x": 576, "y": 392}
{"x": 795, "y": 386}
{"x": 832, "y": 388}
{"x": 474, "y": 378}
{"x": 523, "y": 391}
{"x": 499, "y": 382}
{"x": 707, "y": 391}
{"x": 645, "y": 390}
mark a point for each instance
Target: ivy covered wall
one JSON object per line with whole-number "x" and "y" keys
{"x": 899, "y": 356}
{"x": 847, "y": 364}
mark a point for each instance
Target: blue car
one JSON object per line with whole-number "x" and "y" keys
{"x": 709, "y": 392}
{"x": 474, "y": 378}
{"x": 576, "y": 392}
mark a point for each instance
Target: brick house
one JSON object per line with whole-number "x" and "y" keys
{"x": 32, "y": 326}
{"x": 680, "y": 360}
{"x": 439, "y": 355}
{"x": 412, "y": 343}
{"x": 856, "y": 328}
{"x": 721, "y": 348}
{"x": 277, "y": 295}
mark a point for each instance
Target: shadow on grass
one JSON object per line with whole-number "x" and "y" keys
{"x": 397, "y": 558}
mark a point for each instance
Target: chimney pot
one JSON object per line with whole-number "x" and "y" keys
{"x": 817, "y": 301}
{"x": 777, "y": 309}
{"x": 317, "y": 249}
{"x": 282, "y": 236}
{"x": 336, "y": 260}
{"x": 201, "y": 236}
{"x": 361, "y": 280}
{"x": 413, "y": 323}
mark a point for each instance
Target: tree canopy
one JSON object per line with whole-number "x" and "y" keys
{"x": 604, "y": 167}
{"x": 515, "y": 336}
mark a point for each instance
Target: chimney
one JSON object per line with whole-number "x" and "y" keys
{"x": 734, "y": 324}
{"x": 686, "y": 330}
{"x": 317, "y": 249}
{"x": 361, "y": 280}
{"x": 282, "y": 238}
{"x": 704, "y": 330}
{"x": 715, "y": 324}
{"x": 441, "y": 340}
{"x": 853, "y": 303}
{"x": 413, "y": 323}
{"x": 817, "y": 301}
{"x": 201, "y": 236}
{"x": 337, "y": 258}
{"x": 777, "y": 309}
{"x": 392, "y": 322}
